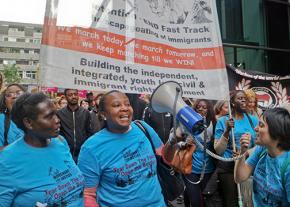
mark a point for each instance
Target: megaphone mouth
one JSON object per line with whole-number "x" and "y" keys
{"x": 159, "y": 108}
{"x": 167, "y": 97}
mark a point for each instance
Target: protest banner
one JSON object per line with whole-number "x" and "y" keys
{"x": 133, "y": 46}
{"x": 271, "y": 90}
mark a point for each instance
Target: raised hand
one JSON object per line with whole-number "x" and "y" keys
{"x": 245, "y": 142}
{"x": 230, "y": 124}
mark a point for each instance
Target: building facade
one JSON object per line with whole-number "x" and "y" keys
{"x": 20, "y": 45}
{"x": 256, "y": 34}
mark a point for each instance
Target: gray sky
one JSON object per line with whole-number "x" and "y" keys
{"x": 27, "y": 11}
{"x": 71, "y": 12}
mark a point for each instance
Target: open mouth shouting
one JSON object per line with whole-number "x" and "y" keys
{"x": 125, "y": 118}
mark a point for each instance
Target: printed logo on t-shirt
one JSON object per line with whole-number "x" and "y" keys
{"x": 67, "y": 181}
{"x": 38, "y": 204}
{"x": 266, "y": 185}
{"x": 138, "y": 163}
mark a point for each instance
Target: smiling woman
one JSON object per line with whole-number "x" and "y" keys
{"x": 241, "y": 125}
{"x": 118, "y": 162}
{"x": 38, "y": 170}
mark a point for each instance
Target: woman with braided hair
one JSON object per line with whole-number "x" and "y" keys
{"x": 240, "y": 124}
{"x": 38, "y": 169}
{"x": 9, "y": 132}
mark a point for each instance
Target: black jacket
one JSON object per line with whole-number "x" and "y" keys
{"x": 75, "y": 127}
{"x": 160, "y": 122}
{"x": 137, "y": 104}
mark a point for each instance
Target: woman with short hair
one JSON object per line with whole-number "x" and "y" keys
{"x": 269, "y": 163}
{"x": 38, "y": 169}
{"x": 118, "y": 162}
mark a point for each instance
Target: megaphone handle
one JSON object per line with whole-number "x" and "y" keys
{"x": 232, "y": 130}
{"x": 240, "y": 197}
{"x": 174, "y": 111}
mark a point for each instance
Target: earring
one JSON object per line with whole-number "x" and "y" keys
{"x": 104, "y": 118}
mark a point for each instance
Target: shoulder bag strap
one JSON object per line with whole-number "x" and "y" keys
{"x": 144, "y": 130}
{"x": 59, "y": 138}
{"x": 145, "y": 112}
{"x": 6, "y": 128}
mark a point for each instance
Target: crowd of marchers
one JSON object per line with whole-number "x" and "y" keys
{"x": 90, "y": 152}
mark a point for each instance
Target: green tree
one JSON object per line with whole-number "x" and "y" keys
{"x": 11, "y": 74}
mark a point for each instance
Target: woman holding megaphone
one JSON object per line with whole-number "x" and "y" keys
{"x": 120, "y": 162}
{"x": 228, "y": 127}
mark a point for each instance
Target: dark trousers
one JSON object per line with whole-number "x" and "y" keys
{"x": 194, "y": 192}
{"x": 228, "y": 189}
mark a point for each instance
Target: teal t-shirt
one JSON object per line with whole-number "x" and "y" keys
{"x": 241, "y": 126}
{"x": 268, "y": 190}
{"x": 31, "y": 176}
{"x": 198, "y": 156}
{"x": 122, "y": 167}
{"x": 14, "y": 132}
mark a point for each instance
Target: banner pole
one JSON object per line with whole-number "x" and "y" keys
{"x": 240, "y": 197}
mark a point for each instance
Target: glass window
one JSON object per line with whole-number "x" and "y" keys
{"x": 15, "y": 50}
{"x": 36, "y": 41}
{"x": 20, "y": 40}
{"x": 20, "y": 74}
{"x": 31, "y": 74}
{"x": 22, "y": 62}
{"x": 20, "y": 29}
{"x": 230, "y": 19}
